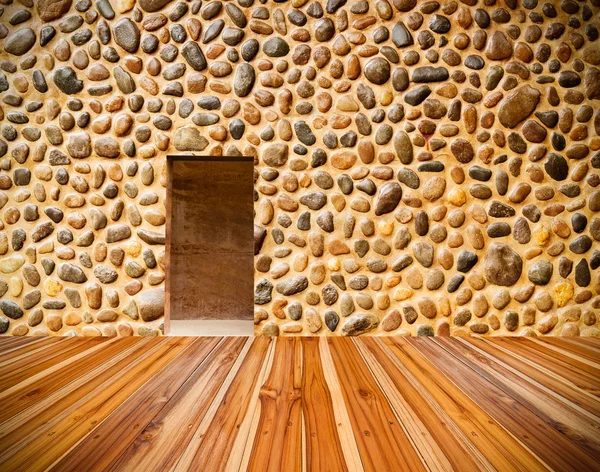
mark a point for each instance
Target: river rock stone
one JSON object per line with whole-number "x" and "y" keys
{"x": 151, "y": 304}
{"x": 20, "y": 42}
{"x": 359, "y": 324}
{"x": 502, "y": 265}
{"x": 518, "y": 105}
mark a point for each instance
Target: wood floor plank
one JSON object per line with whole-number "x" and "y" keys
{"x": 573, "y": 361}
{"x": 299, "y": 404}
{"x": 159, "y": 445}
{"x": 539, "y": 374}
{"x": 539, "y": 437}
{"x": 278, "y": 437}
{"x": 591, "y": 360}
{"x": 216, "y": 443}
{"x": 382, "y": 442}
{"x": 431, "y": 430}
{"x": 9, "y": 352}
{"x": 36, "y": 362}
{"x": 48, "y": 435}
{"x": 106, "y": 442}
{"x": 340, "y": 411}
{"x": 25, "y": 394}
{"x": 569, "y": 422}
{"x": 581, "y": 350}
{"x": 580, "y": 379}
{"x": 323, "y": 446}
{"x": 499, "y": 447}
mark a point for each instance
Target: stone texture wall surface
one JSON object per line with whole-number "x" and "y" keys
{"x": 421, "y": 167}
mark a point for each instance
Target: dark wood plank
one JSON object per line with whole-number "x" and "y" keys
{"x": 382, "y": 442}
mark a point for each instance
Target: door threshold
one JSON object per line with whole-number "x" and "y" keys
{"x": 211, "y": 328}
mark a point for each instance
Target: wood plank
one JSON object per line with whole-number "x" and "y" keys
{"x": 574, "y": 362}
{"x": 9, "y": 352}
{"x": 558, "y": 366}
{"x": 340, "y": 411}
{"x": 564, "y": 390}
{"x": 583, "y": 350}
{"x": 26, "y": 394}
{"x": 216, "y": 443}
{"x": 569, "y": 350}
{"x": 499, "y": 447}
{"x": 371, "y": 403}
{"x": 36, "y": 362}
{"x": 578, "y": 429}
{"x": 84, "y": 408}
{"x": 382, "y": 442}
{"x": 435, "y": 439}
{"x": 323, "y": 446}
{"x": 160, "y": 444}
{"x": 103, "y": 447}
{"x": 539, "y": 437}
{"x": 278, "y": 438}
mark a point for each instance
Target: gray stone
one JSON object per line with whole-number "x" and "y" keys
{"x": 540, "y": 273}
{"x": 71, "y": 273}
{"x": 194, "y": 56}
{"x": 117, "y": 232}
{"x": 388, "y": 199}
{"x": 244, "y": 79}
{"x": 66, "y": 80}
{"x": 292, "y": 286}
{"x": 11, "y": 309}
{"x": 104, "y": 274}
{"x": 359, "y": 324}
{"x": 20, "y": 42}
{"x": 262, "y": 292}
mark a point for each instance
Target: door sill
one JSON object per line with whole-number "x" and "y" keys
{"x": 211, "y": 328}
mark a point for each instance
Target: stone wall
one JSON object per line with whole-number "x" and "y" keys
{"x": 421, "y": 167}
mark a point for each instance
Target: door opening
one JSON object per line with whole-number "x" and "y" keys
{"x": 209, "y": 246}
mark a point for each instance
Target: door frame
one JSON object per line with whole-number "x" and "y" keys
{"x": 171, "y": 158}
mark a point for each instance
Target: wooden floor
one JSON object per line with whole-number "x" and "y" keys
{"x": 373, "y": 404}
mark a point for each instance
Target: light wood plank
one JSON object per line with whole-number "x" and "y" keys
{"x": 539, "y": 437}
{"x": 323, "y": 447}
{"x": 382, "y": 442}
{"x": 217, "y": 441}
{"x": 437, "y": 440}
{"x": 499, "y": 447}
{"x": 104, "y": 445}
{"x": 47, "y": 444}
{"x": 278, "y": 440}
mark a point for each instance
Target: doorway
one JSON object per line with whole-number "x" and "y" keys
{"x": 209, "y": 246}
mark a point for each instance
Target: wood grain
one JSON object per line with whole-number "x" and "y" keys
{"x": 299, "y": 404}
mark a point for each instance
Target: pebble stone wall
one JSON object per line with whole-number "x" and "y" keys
{"x": 421, "y": 167}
